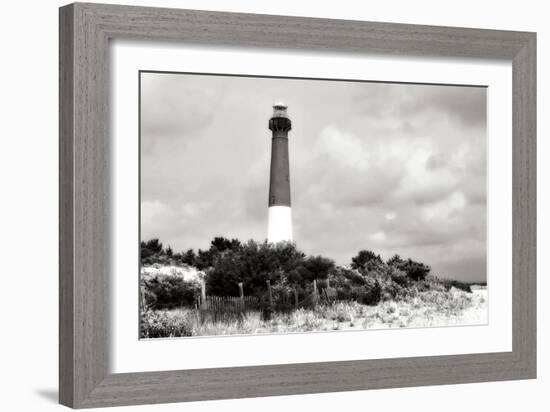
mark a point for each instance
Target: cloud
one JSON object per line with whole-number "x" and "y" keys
{"x": 420, "y": 181}
{"x": 171, "y": 108}
{"x": 343, "y": 168}
{"x": 444, "y": 209}
{"x": 466, "y": 105}
{"x": 150, "y": 211}
{"x": 390, "y": 216}
{"x": 389, "y": 167}
{"x": 344, "y": 148}
{"x": 391, "y": 194}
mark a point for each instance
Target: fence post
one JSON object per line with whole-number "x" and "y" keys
{"x": 203, "y": 294}
{"x": 295, "y": 297}
{"x": 241, "y": 296}
{"x": 328, "y": 283}
{"x": 241, "y": 293}
{"x": 269, "y": 294}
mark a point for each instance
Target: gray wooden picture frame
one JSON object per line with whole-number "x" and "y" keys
{"x": 85, "y": 31}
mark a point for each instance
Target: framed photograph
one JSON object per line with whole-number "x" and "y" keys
{"x": 257, "y": 205}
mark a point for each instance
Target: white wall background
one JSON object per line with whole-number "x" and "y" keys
{"x": 28, "y": 210}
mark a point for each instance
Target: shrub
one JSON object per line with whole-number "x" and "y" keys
{"x": 154, "y": 245}
{"x": 449, "y": 283}
{"x": 398, "y": 276}
{"x": 364, "y": 257}
{"x": 342, "y": 277}
{"x": 317, "y": 267}
{"x": 254, "y": 263}
{"x": 414, "y": 270}
{"x": 376, "y": 269}
{"x": 188, "y": 257}
{"x": 222, "y": 244}
{"x": 145, "y": 253}
{"x": 347, "y": 293}
{"x": 204, "y": 259}
{"x": 373, "y": 293}
{"x": 164, "y": 291}
{"x": 157, "y": 324}
{"x": 227, "y": 262}
{"x": 392, "y": 290}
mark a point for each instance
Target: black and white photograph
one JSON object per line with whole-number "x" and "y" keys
{"x": 282, "y": 205}
{"x": 275, "y": 206}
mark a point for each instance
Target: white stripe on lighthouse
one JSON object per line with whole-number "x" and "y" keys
{"x": 279, "y": 224}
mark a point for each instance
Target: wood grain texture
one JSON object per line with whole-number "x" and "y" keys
{"x": 524, "y": 219}
{"x": 66, "y": 229}
{"x": 85, "y": 31}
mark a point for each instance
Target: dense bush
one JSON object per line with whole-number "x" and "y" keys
{"x": 363, "y": 258}
{"x": 188, "y": 257}
{"x": 254, "y": 264}
{"x": 160, "y": 325}
{"x": 356, "y": 285}
{"x": 341, "y": 277}
{"x": 316, "y": 267}
{"x": 145, "y": 254}
{"x": 227, "y": 262}
{"x": 399, "y": 277}
{"x": 153, "y": 252}
{"x": 153, "y": 245}
{"x": 222, "y": 244}
{"x": 391, "y": 290}
{"x": 415, "y": 270}
{"x": 373, "y": 293}
{"x": 368, "y": 294}
{"x": 165, "y": 291}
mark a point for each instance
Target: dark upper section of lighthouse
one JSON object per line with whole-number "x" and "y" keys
{"x": 279, "y": 180}
{"x": 280, "y": 122}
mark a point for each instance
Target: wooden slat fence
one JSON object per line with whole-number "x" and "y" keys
{"x": 226, "y": 308}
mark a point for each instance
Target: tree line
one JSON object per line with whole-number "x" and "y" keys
{"x": 227, "y": 262}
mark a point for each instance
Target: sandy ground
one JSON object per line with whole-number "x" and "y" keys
{"x": 419, "y": 314}
{"x": 429, "y": 309}
{"x": 477, "y": 315}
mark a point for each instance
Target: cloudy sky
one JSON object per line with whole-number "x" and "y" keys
{"x": 395, "y": 168}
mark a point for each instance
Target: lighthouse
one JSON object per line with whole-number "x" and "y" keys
{"x": 279, "y": 217}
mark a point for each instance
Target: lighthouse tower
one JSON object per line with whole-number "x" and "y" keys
{"x": 279, "y": 226}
